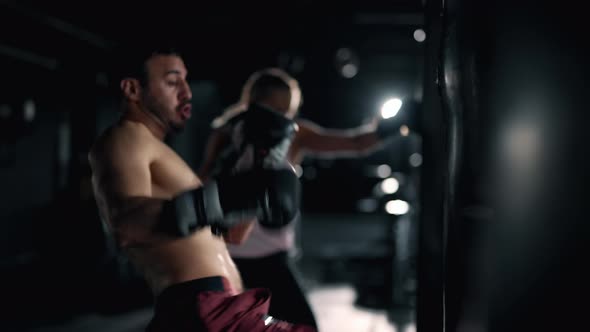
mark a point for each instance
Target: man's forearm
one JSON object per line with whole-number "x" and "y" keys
{"x": 269, "y": 195}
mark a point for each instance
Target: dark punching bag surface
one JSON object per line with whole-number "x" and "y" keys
{"x": 514, "y": 92}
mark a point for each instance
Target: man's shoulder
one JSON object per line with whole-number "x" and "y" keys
{"x": 122, "y": 138}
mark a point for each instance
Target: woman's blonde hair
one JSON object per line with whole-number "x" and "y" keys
{"x": 247, "y": 89}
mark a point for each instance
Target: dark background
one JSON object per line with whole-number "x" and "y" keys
{"x": 59, "y": 56}
{"x": 497, "y": 232}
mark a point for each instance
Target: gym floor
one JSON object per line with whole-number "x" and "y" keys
{"x": 333, "y": 306}
{"x": 346, "y": 279}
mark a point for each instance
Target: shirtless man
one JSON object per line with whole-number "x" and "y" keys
{"x": 167, "y": 221}
{"x": 264, "y": 257}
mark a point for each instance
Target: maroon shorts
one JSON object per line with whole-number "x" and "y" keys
{"x": 209, "y": 304}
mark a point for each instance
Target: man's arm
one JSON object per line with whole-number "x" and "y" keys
{"x": 136, "y": 221}
{"x": 122, "y": 179}
{"x": 122, "y": 182}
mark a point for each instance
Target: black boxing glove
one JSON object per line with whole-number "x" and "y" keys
{"x": 262, "y": 138}
{"x": 283, "y": 198}
{"x": 270, "y": 195}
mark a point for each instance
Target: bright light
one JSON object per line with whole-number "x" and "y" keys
{"x": 268, "y": 320}
{"x": 347, "y": 62}
{"x": 404, "y": 130}
{"x": 397, "y": 207}
{"x": 349, "y": 70}
{"x": 383, "y": 171}
{"x": 416, "y": 159}
{"x": 29, "y": 110}
{"x": 419, "y": 35}
{"x": 298, "y": 170}
{"x": 390, "y": 108}
{"x": 389, "y": 186}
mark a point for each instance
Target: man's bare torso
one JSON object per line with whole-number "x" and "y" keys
{"x": 199, "y": 255}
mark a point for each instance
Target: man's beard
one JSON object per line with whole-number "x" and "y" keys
{"x": 176, "y": 128}
{"x": 159, "y": 112}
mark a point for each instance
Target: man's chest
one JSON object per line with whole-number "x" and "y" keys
{"x": 170, "y": 174}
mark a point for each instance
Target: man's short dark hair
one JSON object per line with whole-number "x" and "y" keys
{"x": 131, "y": 61}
